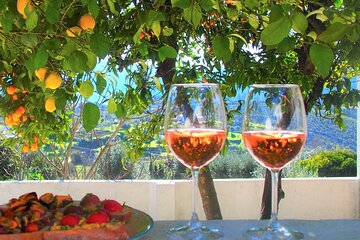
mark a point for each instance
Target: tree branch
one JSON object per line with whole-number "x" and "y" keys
{"x": 91, "y": 172}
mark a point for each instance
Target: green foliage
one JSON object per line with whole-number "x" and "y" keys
{"x": 337, "y": 163}
{"x": 114, "y": 165}
{"x": 29, "y": 167}
{"x": 7, "y": 160}
{"x": 322, "y": 57}
{"x": 91, "y": 116}
{"x": 313, "y": 44}
{"x": 234, "y": 164}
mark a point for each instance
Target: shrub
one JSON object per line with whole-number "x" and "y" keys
{"x": 114, "y": 165}
{"x": 336, "y": 163}
{"x": 234, "y": 164}
{"x": 7, "y": 167}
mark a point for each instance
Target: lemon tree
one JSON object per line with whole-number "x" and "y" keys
{"x": 50, "y": 50}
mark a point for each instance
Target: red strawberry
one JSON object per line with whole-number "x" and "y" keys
{"x": 3, "y": 231}
{"x": 70, "y": 220}
{"x": 98, "y": 217}
{"x": 112, "y": 205}
{"x": 31, "y": 227}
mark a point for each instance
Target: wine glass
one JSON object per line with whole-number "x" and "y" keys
{"x": 195, "y": 132}
{"x": 274, "y": 132}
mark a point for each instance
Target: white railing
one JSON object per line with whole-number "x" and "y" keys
{"x": 308, "y": 198}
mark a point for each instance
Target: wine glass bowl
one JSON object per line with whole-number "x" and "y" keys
{"x": 274, "y": 132}
{"x": 195, "y": 132}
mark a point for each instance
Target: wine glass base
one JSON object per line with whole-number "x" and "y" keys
{"x": 270, "y": 233}
{"x": 190, "y": 233}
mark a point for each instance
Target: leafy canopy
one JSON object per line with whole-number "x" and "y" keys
{"x": 313, "y": 44}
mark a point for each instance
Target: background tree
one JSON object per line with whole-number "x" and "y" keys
{"x": 50, "y": 50}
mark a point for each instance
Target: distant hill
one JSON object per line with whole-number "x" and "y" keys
{"x": 323, "y": 132}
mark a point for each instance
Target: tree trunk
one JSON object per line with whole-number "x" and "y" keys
{"x": 266, "y": 198}
{"x": 166, "y": 70}
{"x": 305, "y": 65}
{"x": 208, "y": 194}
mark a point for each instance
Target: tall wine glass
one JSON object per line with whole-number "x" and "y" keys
{"x": 274, "y": 132}
{"x": 195, "y": 132}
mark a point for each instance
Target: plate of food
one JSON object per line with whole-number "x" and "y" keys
{"x": 58, "y": 217}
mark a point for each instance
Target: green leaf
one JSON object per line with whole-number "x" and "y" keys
{"x": 7, "y": 21}
{"x": 41, "y": 58}
{"x": 52, "y": 13}
{"x": 112, "y": 7}
{"x": 112, "y": 107}
{"x": 78, "y": 61}
{"x": 232, "y": 13}
{"x": 29, "y": 40}
{"x": 299, "y": 22}
{"x": 193, "y": 15}
{"x": 100, "y": 83}
{"x": 158, "y": 84}
{"x": 154, "y": 16}
{"x": 286, "y": 45}
{"x": 136, "y": 37}
{"x": 166, "y": 52}
{"x": 3, "y": 4}
{"x": 120, "y": 113}
{"x": 339, "y": 3}
{"x": 322, "y": 57}
{"x": 167, "y": 31}
{"x": 277, "y": 13}
{"x": 69, "y": 48}
{"x": 31, "y": 20}
{"x": 221, "y": 47}
{"x": 313, "y": 35}
{"x": 207, "y": 5}
{"x": 60, "y": 96}
{"x": 99, "y": 44}
{"x": 253, "y": 21}
{"x": 181, "y": 3}
{"x": 156, "y": 27}
{"x": 91, "y": 59}
{"x": 143, "y": 49}
{"x": 93, "y": 8}
{"x": 334, "y": 32}
{"x": 91, "y": 116}
{"x": 238, "y": 36}
{"x": 86, "y": 89}
{"x": 251, "y": 4}
{"x": 29, "y": 63}
{"x": 276, "y": 31}
{"x": 52, "y": 44}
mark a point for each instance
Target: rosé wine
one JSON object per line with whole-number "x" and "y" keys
{"x": 195, "y": 147}
{"x": 274, "y": 149}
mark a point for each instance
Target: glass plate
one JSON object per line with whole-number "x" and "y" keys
{"x": 137, "y": 227}
{"x": 139, "y": 224}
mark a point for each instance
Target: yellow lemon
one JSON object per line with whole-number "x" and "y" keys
{"x": 21, "y": 5}
{"x": 41, "y": 73}
{"x": 11, "y": 90}
{"x": 9, "y": 120}
{"x": 25, "y": 148}
{"x": 34, "y": 147}
{"x": 50, "y": 104}
{"x": 53, "y": 80}
{"x": 87, "y": 22}
{"x": 73, "y": 31}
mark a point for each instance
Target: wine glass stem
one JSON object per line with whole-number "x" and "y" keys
{"x": 274, "y": 198}
{"x": 195, "y": 222}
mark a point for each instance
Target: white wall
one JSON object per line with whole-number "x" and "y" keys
{"x": 310, "y": 198}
